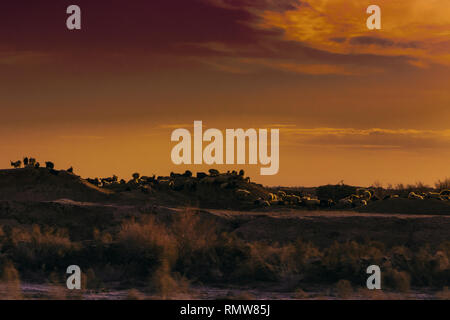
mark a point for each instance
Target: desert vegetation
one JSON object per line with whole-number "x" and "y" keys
{"x": 168, "y": 256}
{"x": 124, "y": 236}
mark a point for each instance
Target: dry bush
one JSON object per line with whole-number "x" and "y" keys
{"x": 444, "y": 294}
{"x": 166, "y": 283}
{"x": 136, "y": 237}
{"x": 143, "y": 246}
{"x": 10, "y": 282}
{"x": 345, "y": 260}
{"x": 270, "y": 262}
{"x": 443, "y": 184}
{"x": 192, "y": 232}
{"x": 134, "y": 294}
{"x": 40, "y": 250}
{"x": 300, "y": 294}
{"x": 305, "y": 252}
{"x": 344, "y": 289}
{"x": 398, "y": 280}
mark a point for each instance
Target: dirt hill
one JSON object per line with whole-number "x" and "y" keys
{"x": 41, "y": 184}
{"x": 408, "y": 206}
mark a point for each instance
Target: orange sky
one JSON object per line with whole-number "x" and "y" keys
{"x": 352, "y": 104}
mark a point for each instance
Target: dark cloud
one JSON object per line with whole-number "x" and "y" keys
{"x": 272, "y": 5}
{"x": 162, "y": 32}
{"x": 366, "y": 40}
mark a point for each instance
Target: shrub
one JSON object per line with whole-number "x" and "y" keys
{"x": 443, "y": 184}
{"x": 10, "y": 281}
{"x": 398, "y": 280}
{"x": 335, "y": 192}
{"x": 344, "y": 289}
{"x": 143, "y": 246}
{"x": 444, "y": 294}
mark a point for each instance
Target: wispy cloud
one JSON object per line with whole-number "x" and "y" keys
{"x": 82, "y": 137}
{"x": 372, "y": 138}
{"x": 339, "y": 26}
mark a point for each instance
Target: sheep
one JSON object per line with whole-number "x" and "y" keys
{"x": 31, "y": 162}
{"x": 213, "y": 172}
{"x": 49, "y": 165}
{"x": 182, "y": 183}
{"x": 367, "y": 195}
{"x": 392, "y": 196}
{"x": 345, "y": 203}
{"x": 145, "y": 189}
{"x": 287, "y": 198}
{"x": 208, "y": 180}
{"x": 272, "y": 197}
{"x": 262, "y": 202}
{"x": 201, "y": 175}
{"x": 187, "y": 174}
{"x": 433, "y": 195}
{"x": 165, "y": 184}
{"x": 327, "y": 203}
{"x": 364, "y": 193}
{"x": 359, "y": 203}
{"x": 414, "y": 196}
{"x": 16, "y": 164}
{"x": 311, "y": 203}
{"x": 281, "y": 194}
{"x": 242, "y": 194}
{"x": 135, "y": 176}
{"x": 95, "y": 182}
{"x": 224, "y": 185}
{"x": 222, "y": 178}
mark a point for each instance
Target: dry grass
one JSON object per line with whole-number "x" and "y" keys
{"x": 443, "y": 184}
{"x": 344, "y": 289}
{"x": 10, "y": 283}
{"x": 444, "y": 294}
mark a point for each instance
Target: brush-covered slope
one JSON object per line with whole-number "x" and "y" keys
{"x": 41, "y": 184}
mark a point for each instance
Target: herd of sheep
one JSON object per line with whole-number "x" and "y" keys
{"x": 29, "y": 162}
{"x": 236, "y": 184}
{"x": 176, "y": 181}
{"x": 444, "y": 195}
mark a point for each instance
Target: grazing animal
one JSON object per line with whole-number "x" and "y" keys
{"x": 213, "y": 172}
{"x": 16, "y": 164}
{"x": 262, "y": 202}
{"x": 135, "y": 176}
{"x": 311, "y": 203}
{"x": 364, "y": 193}
{"x": 201, "y": 175}
{"x": 345, "y": 203}
{"x": 414, "y": 196}
{"x": 187, "y": 173}
{"x": 433, "y": 195}
{"x": 49, "y": 165}
{"x": 31, "y": 162}
{"x": 242, "y": 194}
{"x": 359, "y": 203}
